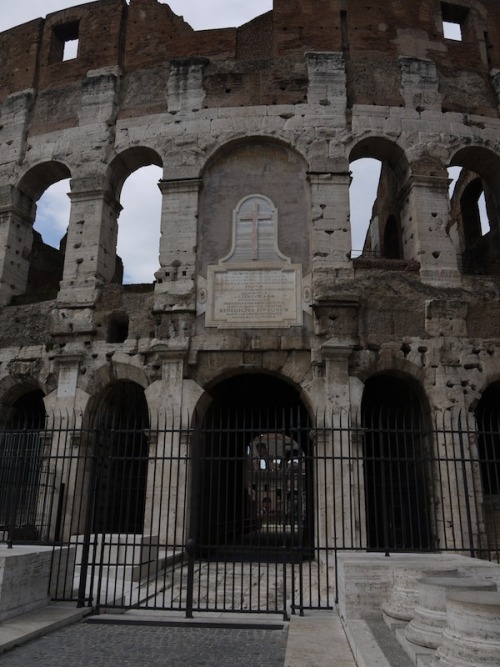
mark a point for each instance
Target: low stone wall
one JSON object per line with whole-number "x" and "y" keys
{"x": 25, "y": 575}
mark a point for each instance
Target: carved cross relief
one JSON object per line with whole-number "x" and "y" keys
{"x": 255, "y": 232}
{"x": 254, "y": 285}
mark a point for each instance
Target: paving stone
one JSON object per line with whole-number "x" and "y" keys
{"x": 107, "y": 645}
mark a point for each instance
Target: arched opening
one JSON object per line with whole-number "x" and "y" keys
{"x": 378, "y": 169}
{"x": 44, "y": 189}
{"x": 122, "y": 421}
{"x": 474, "y": 219}
{"x": 141, "y": 215}
{"x": 23, "y": 476}
{"x": 255, "y": 475}
{"x": 396, "y": 478}
{"x": 488, "y": 441}
{"x": 365, "y": 176}
{"x": 133, "y": 179}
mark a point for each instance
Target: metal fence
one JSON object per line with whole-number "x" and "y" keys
{"x": 243, "y": 514}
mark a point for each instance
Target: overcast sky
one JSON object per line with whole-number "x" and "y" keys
{"x": 140, "y": 197}
{"x": 198, "y": 13}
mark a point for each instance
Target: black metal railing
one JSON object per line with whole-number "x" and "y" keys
{"x": 245, "y": 514}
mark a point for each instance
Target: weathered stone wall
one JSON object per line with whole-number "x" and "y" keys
{"x": 277, "y": 108}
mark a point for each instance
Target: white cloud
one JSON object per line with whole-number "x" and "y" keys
{"x": 139, "y": 225}
{"x": 52, "y": 213}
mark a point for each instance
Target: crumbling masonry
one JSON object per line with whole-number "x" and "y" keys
{"x": 255, "y": 129}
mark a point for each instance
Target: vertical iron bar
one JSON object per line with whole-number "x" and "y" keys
{"x": 466, "y": 487}
{"x": 89, "y": 517}
{"x": 381, "y": 438}
{"x": 193, "y": 523}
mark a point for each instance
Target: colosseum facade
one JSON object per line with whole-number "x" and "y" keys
{"x": 259, "y": 304}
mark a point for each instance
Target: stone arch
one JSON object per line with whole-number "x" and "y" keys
{"x": 256, "y": 464}
{"x": 107, "y": 374}
{"x": 399, "y": 367}
{"x": 397, "y": 479}
{"x": 126, "y": 162}
{"x": 218, "y": 151}
{"x": 39, "y": 265}
{"x": 259, "y": 166}
{"x": 39, "y": 177}
{"x": 480, "y": 175}
{"x": 124, "y": 165}
{"x": 385, "y": 150}
{"x": 22, "y": 470}
{"x": 121, "y": 417}
{"x": 394, "y": 170}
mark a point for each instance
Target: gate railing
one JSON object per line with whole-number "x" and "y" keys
{"x": 243, "y": 517}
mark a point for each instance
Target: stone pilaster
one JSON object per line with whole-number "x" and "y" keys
{"x": 15, "y": 114}
{"x": 328, "y": 84}
{"x": 16, "y": 238}
{"x": 91, "y": 246}
{"x": 341, "y": 482}
{"x": 185, "y": 85}
{"x": 171, "y": 408}
{"x": 425, "y": 209}
{"x": 420, "y": 82}
{"x": 175, "y": 280}
{"x": 331, "y": 237}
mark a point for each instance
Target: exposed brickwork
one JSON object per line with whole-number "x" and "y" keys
{"x": 140, "y": 37}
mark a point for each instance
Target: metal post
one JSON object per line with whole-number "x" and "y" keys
{"x": 193, "y": 522}
{"x": 466, "y": 485}
{"x": 89, "y": 517}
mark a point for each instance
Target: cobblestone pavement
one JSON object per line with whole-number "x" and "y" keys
{"x": 106, "y": 645}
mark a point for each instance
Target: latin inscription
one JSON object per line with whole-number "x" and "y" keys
{"x": 254, "y": 298}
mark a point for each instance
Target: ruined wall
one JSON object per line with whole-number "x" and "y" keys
{"x": 279, "y": 108}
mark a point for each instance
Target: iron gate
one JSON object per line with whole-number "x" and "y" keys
{"x": 241, "y": 515}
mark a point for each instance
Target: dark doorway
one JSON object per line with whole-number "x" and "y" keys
{"x": 394, "y": 464}
{"x": 122, "y": 459}
{"x": 488, "y": 441}
{"x": 255, "y": 482}
{"x": 21, "y": 468}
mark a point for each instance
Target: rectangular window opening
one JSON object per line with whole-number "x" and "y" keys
{"x": 70, "y": 49}
{"x": 452, "y": 31}
{"x": 454, "y": 18}
{"x": 65, "y": 41}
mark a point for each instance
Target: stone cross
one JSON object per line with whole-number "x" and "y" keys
{"x": 255, "y": 216}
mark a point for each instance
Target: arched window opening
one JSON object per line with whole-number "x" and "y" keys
{"x": 365, "y": 178}
{"x": 49, "y": 240}
{"x": 488, "y": 441}
{"x": 255, "y": 476}
{"x": 473, "y": 225}
{"x": 24, "y": 478}
{"x": 139, "y": 226}
{"x": 396, "y": 478}
{"x": 123, "y": 422}
{"x": 38, "y": 245}
{"x": 375, "y": 210}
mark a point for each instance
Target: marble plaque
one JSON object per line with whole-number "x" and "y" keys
{"x": 256, "y": 296}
